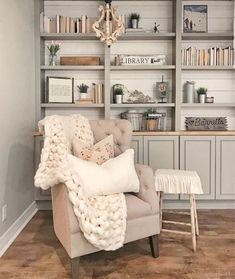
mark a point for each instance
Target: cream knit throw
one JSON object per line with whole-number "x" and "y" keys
{"x": 102, "y": 219}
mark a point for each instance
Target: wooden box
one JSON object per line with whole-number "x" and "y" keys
{"x": 79, "y": 60}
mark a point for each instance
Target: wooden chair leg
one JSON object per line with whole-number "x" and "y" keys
{"x": 192, "y": 222}
{"x": 75, "y": 268}
{"x": 195, "y": 214}
{"x": 154, "y": 245}
{"x": 160, "y": 208}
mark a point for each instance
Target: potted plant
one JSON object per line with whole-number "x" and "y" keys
{"x": 53, "y": 48}
{"x": 83, "y": 90}
{"x": 134, "y": 17}
{"x": 118, "y": 93}
{"x": 202, "y": 94}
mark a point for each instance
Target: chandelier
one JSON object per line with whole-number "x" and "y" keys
{"x": 108, "y": 27}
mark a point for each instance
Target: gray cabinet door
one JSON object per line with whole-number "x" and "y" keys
{"x": 225, "y": 167}
{"x": 198, "y": 153}
{"x": 137, "y": 144}
{"x": 162, "y": 152}
{"x": 39, "y": 193}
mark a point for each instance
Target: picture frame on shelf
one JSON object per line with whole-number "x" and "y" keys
{"x": 60, "y": 90}
{"x": 195, "y": 19}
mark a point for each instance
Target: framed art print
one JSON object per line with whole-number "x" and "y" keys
{"x": 60, "y": 90}
{"x": 195, "y": 18}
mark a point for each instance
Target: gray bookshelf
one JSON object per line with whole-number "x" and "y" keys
{"x": 177, "y": 38}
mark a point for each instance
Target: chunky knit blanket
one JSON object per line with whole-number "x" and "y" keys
{"x": 102, "y": 219}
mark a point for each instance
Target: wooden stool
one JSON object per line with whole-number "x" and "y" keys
{"x": 180, "y": 182}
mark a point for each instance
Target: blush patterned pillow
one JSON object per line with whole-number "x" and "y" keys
{"x": 99, "y": 153}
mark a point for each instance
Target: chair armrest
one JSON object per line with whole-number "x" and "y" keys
{"x": 147, "y": 191}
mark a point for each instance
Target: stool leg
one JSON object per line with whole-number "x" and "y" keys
{"x": 195, "y": 213}
{"x": 160, "y": 208}
{"x": 192, "y": 222}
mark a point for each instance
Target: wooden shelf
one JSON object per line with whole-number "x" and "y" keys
{"x": 142, "y": 68}
{"x": 211, "y": 68}
{"x": 72, "y": 68}
{"x": 45, "y": 105}
{"x": 207, "y": 105}
{"x": 154, "y": 105}
{"x": 208, "y": 36}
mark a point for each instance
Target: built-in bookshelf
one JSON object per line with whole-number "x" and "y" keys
{"x": 218, "y": 79}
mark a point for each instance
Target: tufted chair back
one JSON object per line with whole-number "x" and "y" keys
{"x": 120, "y": 129}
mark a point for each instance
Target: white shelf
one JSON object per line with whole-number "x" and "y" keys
{"x": 212, "y": 68}
{"x": 146, "y": 36}
{"x": 207, "y": 105}
{"x": 68, "y": 36}
{"x": 46, "y": 105}
{"x": 208, "y": 36}
{"x": 155, "y": 105}
{"x": 72, "y": 68}
{"x": 142, "y": 67}
{"x": 125, "y": 37}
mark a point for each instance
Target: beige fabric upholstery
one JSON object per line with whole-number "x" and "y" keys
{"x": 120, "y": 129}
{"x": 142, "y": 208}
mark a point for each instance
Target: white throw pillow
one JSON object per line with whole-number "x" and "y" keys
{"x": 115, "y": 176}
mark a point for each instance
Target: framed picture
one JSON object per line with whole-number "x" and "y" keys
{"x": 195, "y": 18}
{"x": 60, "y": 90}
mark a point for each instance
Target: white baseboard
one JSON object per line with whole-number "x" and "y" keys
{"x": 10, "y": 235}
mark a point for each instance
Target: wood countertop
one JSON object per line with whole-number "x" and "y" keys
{"x": 174, "y": 133}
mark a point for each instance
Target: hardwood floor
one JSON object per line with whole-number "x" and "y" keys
{"x": 37, "y": 254}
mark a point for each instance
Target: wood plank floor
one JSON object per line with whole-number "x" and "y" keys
{"x": 37, "y": 254}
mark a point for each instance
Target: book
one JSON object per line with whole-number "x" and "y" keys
{"x": 52, "y": 25}
{"x": 83, "y": 22}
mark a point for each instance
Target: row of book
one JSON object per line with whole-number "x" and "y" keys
{"x": 214, "y": 56}
{"x": 66, "y": 24}
{"x": 97, "y": 98}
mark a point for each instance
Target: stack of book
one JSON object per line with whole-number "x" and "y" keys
{"x": 214, "y": 56}
{"x": 98, "y": 93}
{"x": 65, "y": 24}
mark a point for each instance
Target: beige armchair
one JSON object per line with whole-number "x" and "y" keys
{"x": 142, "y": 208}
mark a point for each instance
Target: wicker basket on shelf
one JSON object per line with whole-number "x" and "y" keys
{"x": 136, "y": 119}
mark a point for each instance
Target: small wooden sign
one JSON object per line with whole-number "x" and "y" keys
{"x": 80, "y": 60}
{"x": 206, "y": 123}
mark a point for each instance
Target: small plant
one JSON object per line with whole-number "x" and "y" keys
{"x": 118, "y": 91}
{"x": 135, "y": 16}
{"x": 53, "y": 48}
{"x": 83, "y": 88}
{"x": 201, "y": 91}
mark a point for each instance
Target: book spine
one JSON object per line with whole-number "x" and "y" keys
{"x": 83, "y": 24}
{"x": 88, "y": 25}
{"x": 41, "y": 22}
{"x": 57, "y": 24}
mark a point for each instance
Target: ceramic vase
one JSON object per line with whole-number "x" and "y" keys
{"x": 83, "y": 95}
{"x": 202, "y": 98}
{"x": 134, "y": 23}
{"x": 118, "y": 99}
{"x": 190, "y": 92}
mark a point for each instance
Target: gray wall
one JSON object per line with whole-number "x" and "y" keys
{"x": 17, "y": 107}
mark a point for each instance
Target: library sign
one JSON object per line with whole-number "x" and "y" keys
{"x": 142, "y": 60}
{"x": 206, "y": 123}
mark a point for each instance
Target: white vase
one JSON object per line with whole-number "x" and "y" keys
{"x": 134, "y": 23}
{"x": 83, "y": 95}
{"x": 190, "y": 92}
{"x": 118, "y": 99}
{"x": 202, "y": 98}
